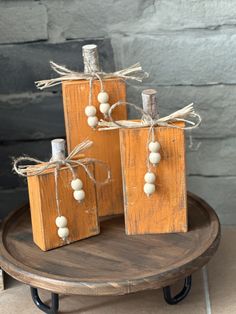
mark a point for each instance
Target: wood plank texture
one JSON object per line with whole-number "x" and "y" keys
{"x": 106, "y": 144}
{"x": 165, "y": 210}
{"x": 111, "y": 263}
{"x": 82, "y": 217}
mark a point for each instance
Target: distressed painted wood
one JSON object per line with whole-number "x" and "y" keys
{"x": 165, "y": 210}
{"x": 112, "y": 263}
{"x": 106, "y": 144}
{"x": 82, "y": 217}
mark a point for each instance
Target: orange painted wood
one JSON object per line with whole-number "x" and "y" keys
{"x": 106, "y": 144}
{"x": 165, "y": 211}
{"x": 82, "y": 217}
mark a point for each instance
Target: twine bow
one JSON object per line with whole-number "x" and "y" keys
{"x": 40, "y": 167}
{"x": 187, "y": 115}
{"x": 134, "y": 72}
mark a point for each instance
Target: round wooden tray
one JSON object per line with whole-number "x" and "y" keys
{"x": 111, "y": 263}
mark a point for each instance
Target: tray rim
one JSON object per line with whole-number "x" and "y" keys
{"x": 66, "y": 285}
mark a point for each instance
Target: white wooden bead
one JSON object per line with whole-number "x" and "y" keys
{"x": 90, "y": 111}
{"x": 61, "y": 221}
{"x": 149, "y": 188}
{"x": 79, "y": 195}
{"x": 154, "y": 147}
{"x": 63, "y": 232}
{"x": 93, "y": 121}
{"x": 103, "y": 97}
{"x": 104, "y": 108}
{"x": 154, "y": 158}
{"x": 150, "y": 177}
{"x": 76, "y": 184}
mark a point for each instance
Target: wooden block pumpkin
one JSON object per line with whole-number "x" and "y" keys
{"x": 106, "y": 144}
{"x": 165, "y": 209}
{"x": 74, "y": 217}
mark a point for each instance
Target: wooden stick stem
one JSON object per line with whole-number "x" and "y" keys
{"x": 150, "y": 103}
{"x": 58, "y": 149}
{"x": 90, "y": 57}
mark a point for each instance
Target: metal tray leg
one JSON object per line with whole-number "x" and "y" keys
{"x": 43, "y": 307}
{"x": 181, "y": 295}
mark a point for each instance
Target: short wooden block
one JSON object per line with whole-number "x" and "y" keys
{"x": 106, "y": 144}
{"x": 165, "y": 211}
{"x": 82, "y": 217}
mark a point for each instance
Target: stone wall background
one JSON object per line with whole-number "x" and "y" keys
{"x": 187, "y": 46}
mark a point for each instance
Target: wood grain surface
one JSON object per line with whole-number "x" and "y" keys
{"x": 111, "y": 263}
{"x": 82, "y": 217}
{"x": 165, "y": 210}
{"x": 106, "y": 144}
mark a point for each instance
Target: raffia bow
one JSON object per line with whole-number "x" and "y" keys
{"x": 182, "y": 115}
{"x": 134, "y": 72}
{"x": 187, "y": 115}
{"x": 40, "y": 167}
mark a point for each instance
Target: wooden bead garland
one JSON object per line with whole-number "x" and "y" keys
{"x": 63, "y": 231}
{"x": 77, "y": 186}
{"x": 154, "y": 155}
{"x": 91, "y": 110}
{"x": 104, "y": 107}
{"x": 153, "y": 158}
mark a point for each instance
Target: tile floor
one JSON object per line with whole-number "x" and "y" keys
{"x": 213, "y": 292}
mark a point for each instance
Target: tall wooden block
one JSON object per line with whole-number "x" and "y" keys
{"x": 106, "y": 145}
{"x": 165, "y": 211}
{"x": 82, "y": 218}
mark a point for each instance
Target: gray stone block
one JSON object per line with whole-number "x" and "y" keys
{"x": 83, "y": 19}
{"x": 37, "y": 149}
{"x": 31, "y": 117}
{"x": 213, "y": 158}
{"x": 22, "y": 65}
{"x": 24, "y": 22}
{"x": 216, "y": 104}
{"x": 168, "y": 15}
{"x": 183, "y": 58}
{"x": 11, "y": 200}
{"x": 219, "y": 192}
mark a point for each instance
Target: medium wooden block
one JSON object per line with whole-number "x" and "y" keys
{"x": 82, "y": 217}
{"x": 165, "y": 211}
{"x": 106, "y": 145}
